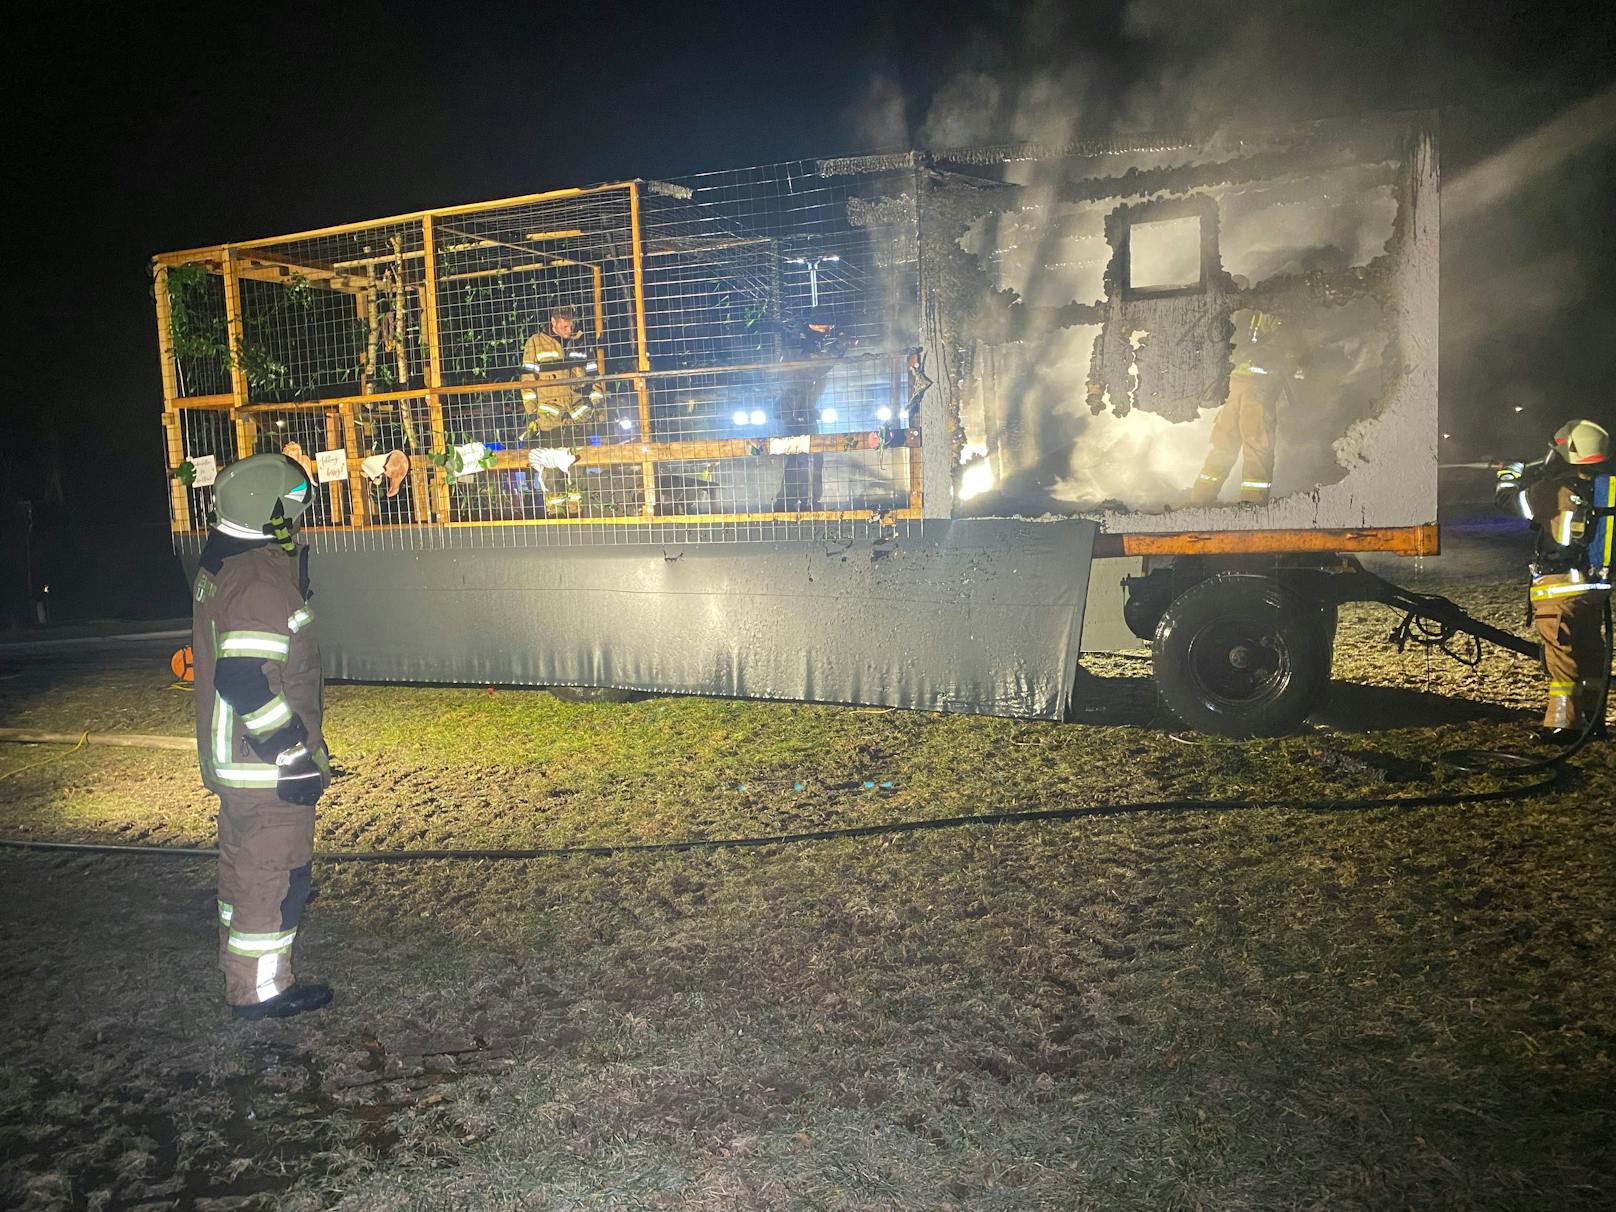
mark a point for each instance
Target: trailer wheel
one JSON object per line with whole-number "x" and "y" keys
{"x": 1241, "y": 656}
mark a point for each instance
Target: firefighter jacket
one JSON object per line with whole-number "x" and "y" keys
{"x": 1574, "y": 517}
{"x": 1267, "y": 354}
{"x": 257, "y": 663}
{"x": 544, "y": 359}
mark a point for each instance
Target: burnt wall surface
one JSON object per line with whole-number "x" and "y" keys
{"x": 1089, "y": 370}
{"x": 974, "y": 615}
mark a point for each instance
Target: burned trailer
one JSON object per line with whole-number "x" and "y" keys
{"x": 1223, "y": 350}
{"x": 846, "y": 431}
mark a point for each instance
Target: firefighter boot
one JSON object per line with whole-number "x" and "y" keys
{"x": 299, "y": 999}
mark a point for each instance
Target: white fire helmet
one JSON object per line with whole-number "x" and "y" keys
{"x": 249, "y": 494}
{"x": 1582, "y": 442}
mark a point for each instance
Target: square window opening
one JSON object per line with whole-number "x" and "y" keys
{"x": 1165, "y": 254}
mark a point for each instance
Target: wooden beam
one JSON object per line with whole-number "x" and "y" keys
{"x": 554, "y": 195}
{"x": 714, "y": 448}
{"x": 358, "y": 486}
{"x": 263, "y": 268}
{"x": 333, "y": 439}
{"x": 439, "y": 487}
{"x": 642, "y": 350}
{"x": 692, "y": 519}
{"x": 246, "y": 431}
{"x": 1398, "y": 540}
{"x": 179, "y": 501}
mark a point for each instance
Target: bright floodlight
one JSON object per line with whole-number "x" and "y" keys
{"x": 757, "y": 416}
{"x": 624, "y": 423}
{"x": 883, "y": 413}
{"x": 740, "y": 416}
{"x": 828, "y": 416}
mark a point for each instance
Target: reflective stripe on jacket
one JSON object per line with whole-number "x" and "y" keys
{"x": 252, "y": 609}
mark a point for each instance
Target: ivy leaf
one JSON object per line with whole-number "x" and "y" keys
{"x": 185, "y": 473}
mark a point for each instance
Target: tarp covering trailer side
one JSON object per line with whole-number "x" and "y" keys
{"x": 976, "y": 615}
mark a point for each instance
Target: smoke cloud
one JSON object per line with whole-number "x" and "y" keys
{"x": 1528, "y": 329}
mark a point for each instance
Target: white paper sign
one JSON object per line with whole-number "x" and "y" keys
{"x": 331, "y": 465}
{"x": 207, "y": 470}
{"x": 471, "y": 458}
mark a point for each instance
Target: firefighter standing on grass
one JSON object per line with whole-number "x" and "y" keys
{"x": 1569, "y": 497}
{"x": 258, "y": 712}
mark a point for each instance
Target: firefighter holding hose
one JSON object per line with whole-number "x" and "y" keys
{"x": 1569, "y": 496}
{"x": 259, "y": 744}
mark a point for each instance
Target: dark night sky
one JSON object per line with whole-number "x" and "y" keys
{"x": 164, "y": 126}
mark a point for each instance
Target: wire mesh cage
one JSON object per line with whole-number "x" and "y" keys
{"x": 728, "y": 356}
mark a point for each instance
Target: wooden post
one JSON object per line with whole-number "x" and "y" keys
{"x": 642, "y": 352}
{"x": 333, "y": 439}
{"x": 179, "y": 500}
{"x": 358, "y": 486}
{"x": 246, "y": 429}
{"x": 600, "y": 321}
{"x": 434, "y": 362}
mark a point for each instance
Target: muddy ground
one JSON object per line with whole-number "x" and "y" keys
{"x": 1160, "y": 1008}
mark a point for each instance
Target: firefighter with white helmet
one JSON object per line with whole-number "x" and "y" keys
{"x": 1570, "y": 498}
{"x": 258, "y": 717}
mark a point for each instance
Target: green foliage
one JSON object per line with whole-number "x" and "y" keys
{"x": 196, "y": 331}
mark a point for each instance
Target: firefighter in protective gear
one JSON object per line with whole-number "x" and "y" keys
{"x": 814, "y": 338}
{"x": 258, "y": 715}
{"x": 1268, "y": 356}
{"x": 546, "y": 360}
{"x": 1570, "y": 498}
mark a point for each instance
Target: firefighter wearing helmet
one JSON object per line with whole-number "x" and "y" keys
{"x": 1570, "y": 498}
{"x": 258, "y": 708}
{"x": 547, "y": 360}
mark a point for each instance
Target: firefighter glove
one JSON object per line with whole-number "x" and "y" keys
{"x": 301, "y": 780}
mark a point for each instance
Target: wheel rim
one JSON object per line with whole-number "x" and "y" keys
{"x": 1239, "y": 663}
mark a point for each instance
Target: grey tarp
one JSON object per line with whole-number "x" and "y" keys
{"x": 981, "y": 615}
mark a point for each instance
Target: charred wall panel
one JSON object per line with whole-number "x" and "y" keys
{"x": 1232, "y": 333}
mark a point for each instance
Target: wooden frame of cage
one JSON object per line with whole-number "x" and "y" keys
{"x": 247, "y": 260}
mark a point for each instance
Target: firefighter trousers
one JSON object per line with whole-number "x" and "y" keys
{"x": 266, "y": 848}
{"x": 1574, "y": 652}
{"x": 1244, "y": 428}
{"x": 802, "y": 476}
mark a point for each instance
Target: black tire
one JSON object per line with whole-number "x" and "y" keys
{"x": 1241, "y": 656}
{"x": 596, "y": 694}
{"x": 1142, "y": 613}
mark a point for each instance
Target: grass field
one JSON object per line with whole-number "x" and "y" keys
{"x": 1163, "y": 1008}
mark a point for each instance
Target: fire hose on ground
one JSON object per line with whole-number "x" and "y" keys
{"x": 1554, "y": 767}
{"x": 1429, "y": 621}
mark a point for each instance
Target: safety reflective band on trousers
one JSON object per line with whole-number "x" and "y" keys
{"x": 264, "y": 644}
{"x": 226, "y": 912}
{"x": 267, "y": 981}
{"x": 261, "y": 944}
